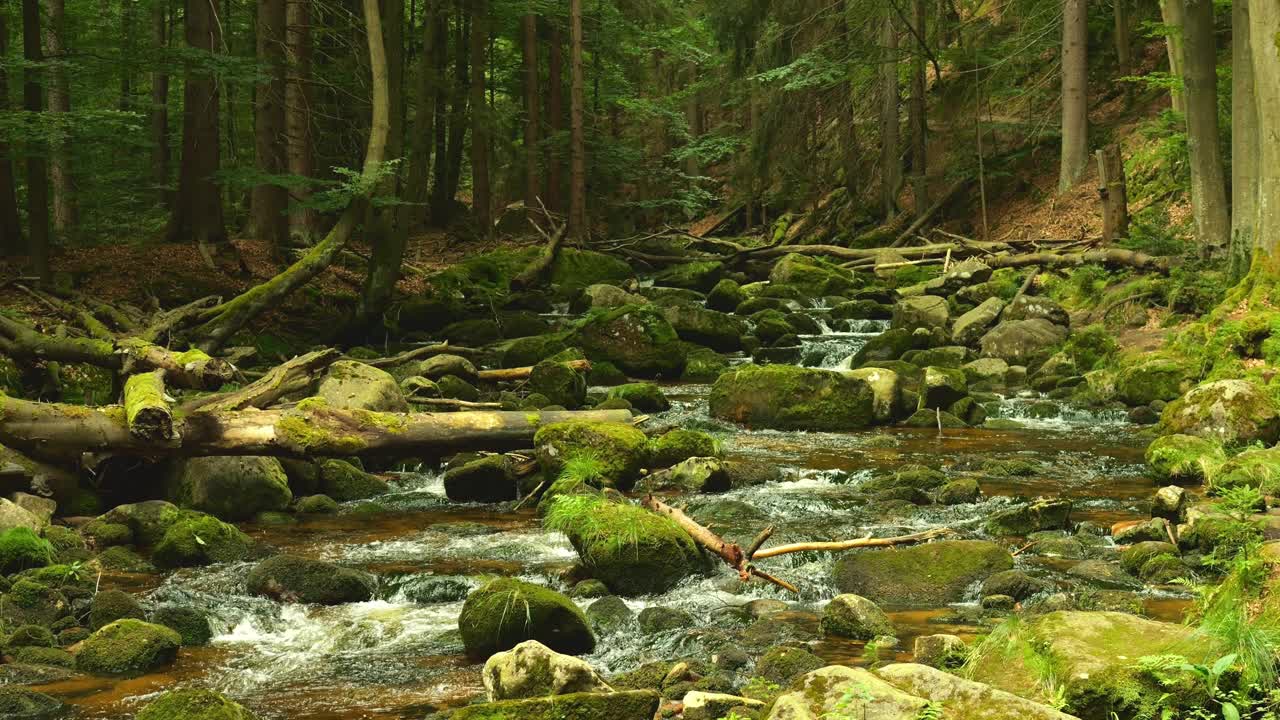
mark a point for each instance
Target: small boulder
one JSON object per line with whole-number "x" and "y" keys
{"x": 969, "y": 328}
{"x": 783, "y": 664}
{"x": 608, "y": 296}
{"x": 289, "y": 578}
{"x": 200, "y": 540}
{"x": 506, "y": 612}
{"x": 1035, "y": 307}
{"x": 942, "y": 387}
{"x": 111, "y": 605}
{"x": 681, "y": 444}
{"x": 609, "y": 615}
{"x": 940, "y": 651}
{"x": 1153, "y": 377}
{"x": 921, "y": 311}
{"x": 22, "y": 549}
{"x": 437, "y": 366}
{"x": 194, "y": 704}
{"x": 148, "y": 520}
{"x": 352, "y": 385}
{"x": 699, "y": 705}
{"x": 658, "y": 619}
{"x": 559, "y": 382}
{"x": 645, "y": 397}
{"x": 229, "y": 488}
{"x": 853, "y": 616}
{"x": 717, "y": 330}
{"x": 191, "y": 624}
{"x": 22, "y": 703}
{"x": 1022, "y": 342}
{"x": 343, "y": 481}
{"x": 1039, "y": 514}
{"x": 489, "y": 479}
{"x": 1169, "y": 503}
{"x": 621, "y": 450}
{"x": 932, "y": 574}
{"x": 28, "y": 602}
{"x": 532, "y": 669}
{"x": 695, "y": 475}
{"x": 1013, "y": 583}
{"x": 726, "y": 296}
{"x": 128, "y": 647}
{"x": 624, "y": 705}
{"x": 1184, "y": 458}
{"x": 788, "y": 397}
{"x": 14, "y": 516}
{"x": 636, "y": 338}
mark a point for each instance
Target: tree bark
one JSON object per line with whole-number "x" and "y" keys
{"x": 1264, "y": 23}
{"x": 424, "y": 119}
{"x": 481, "y": 199}
{"x": 577, "y": 139}
{"x": 311, "y": 429}
{"x": 160, "y": 107}
{"x": 532, "y": 123}
{"x": 146, "y": 408}
{"x": 1075, "y": 93}
{"x": 555, "y": 118}
{"x": 270, "y": 199}
{"x": 919, "y": 117}
{"x": 59, "y": 98}
{"x": 448, "y": 172}
{"x": 890, "y": 157}
{"x": 288, "y": 378}
{"x": 304, "y": 222}
{"x": 37, "y": 173}
{"x": 10, "y": 226}
{"x": 1114, "y": 193}
{"x": 1171, "y": 15}
{"x": 1208, "y": 181}
{"x": 197, "y": 207}
{"x": 1245, "y": 143}
{"x": 442, "y": 120}
{"x": 1124, "y": 47}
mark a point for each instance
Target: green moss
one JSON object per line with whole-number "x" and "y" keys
{"x": 1255, "y": 468}
{"x": 1184, "y": 458}
{"x": 625, "y": 705}
{"x": 194, "y": 705}
{"x": 190, "y": 624}
{"x": 30, "y": 636}
{"x": 1090, "y": 346}
{"x": 681, "y": 444}
{"x": 703, "y": 365}
{"x": 781, "y": 665}
{"x": 636, "y": 338}
{"x": 105, "y": 534}
{"x": 622, "y": 450}
{"x": 55, "y": 657}
{"x": 121, "y": 559}
{"x": 65, "y": 541}
{"x": 20, "y": 548}
{"x": 201, "y": 540}
{"x": 299, "y": 433}
{"x": 787, "y": 397}
{"x": 28, "y": 601}
{"x": 343, "y": 481}
{"x": 1152, "y": 377}
{"x": 128, "y": 647}
{"x": 932, "y": 574}
{"x": 505, "y": 612}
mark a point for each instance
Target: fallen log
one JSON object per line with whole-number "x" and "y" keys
{"x": 523, "y": 373}
{"x": 933, "y": 209}
{"x": 146, "y": 408}
{"x": 309, "y": 429}
{"x": 1111, "y": 256}
{"x": 537, "y": 270}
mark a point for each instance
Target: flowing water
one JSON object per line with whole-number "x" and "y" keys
{"x": 400, "y": 656}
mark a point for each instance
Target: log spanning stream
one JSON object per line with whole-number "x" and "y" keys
{"x": 401, "y": 656}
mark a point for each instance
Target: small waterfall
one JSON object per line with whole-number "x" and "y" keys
{"x": 835, "y": 346}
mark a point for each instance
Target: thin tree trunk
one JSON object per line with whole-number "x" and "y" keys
{"x": 440, "y": 65}
{"x": 532, "y": 188}
{"x": 1245, "y": 142}
{"x": 919, "y": 112}
{"x": 270, "y": 199}
{"x": 424, "y": 117}
{"x": 577, "y": 140}
{"x": 10, "y": 226}
{"x": 160, "y": 106}
{"x": 59, "y": 98}
{"x": 1172, "y": 16}
{"x": 449, "y": 172}
{"x": 197, "y": 208}
{"x": 1264, "y": 23}
{"x": 481, "y": 199}
{"x": 555, "y": 118}
{"x": 1075, "y": 100}
{"x": 890, "y": 157}
{"x": 304, "y": 222}
{"x": 1208, "y": 180}
{"x": 1114, "y": 192}
{"x": 1124, "y": 47}
{"x": 37, "y": 174}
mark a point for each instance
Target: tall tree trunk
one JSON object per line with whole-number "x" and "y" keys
{"x": 37, "y": 174}
{"x": 449, "y": 172}
{"x": 577, "y": 140}
{"x": 160, "y": 106}
{"x": 890, "y": 157}
{"x": 304, "y": 222}
{"x": 919, "y": 112}
{"x": 440, "y": 64}
{"x": 1172, "y": 16}
{"x": 1075, "y": 95}
{"x": 128, "y": 25}
{"x": 555, "y": 118}
{"x": 1208, "y": 181}
{"x": 532, "y": 188}
{"x": 1264, "y": 23}
{"x": 270, "y": 199}
{"x": 425, "y": 112}
{"x": 1245, "y": 142}
{"x": 197, "y": 208}
{"x": 59, "y": 97}
{"x": 482, "y": 200}
{"x": 10, "y": 225}
{"x": 692, "y": 115}
{"x": 1124, "y": 47}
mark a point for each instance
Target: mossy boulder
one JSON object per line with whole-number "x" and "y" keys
{"x": 22, "y": 703}
{"x": 21, "y": 549}
{"x": 645, "y": 397}
{"x": 229, "y": 488}
{"x": 694, "y": 475}
{"x": 343, "y": 481}
{"x": 621, "y": 450}
{"x": 781, "y": 665}
{"x": 1039, "y": 514}
{"x": 1233, "y": 412}
{"x": 54, "y": 657}
{"x": 787, "y": 397}
{"x": 317, "y": 505}
{"x": 194, "y": 704}
{"x": 701, "y": 275}
{"x": 605, "y": 296}
{"x": 506, "y": 612}
{"x": 609, "y": 615}
{"x": 352, "y": 385}
{"x": 888, "y": 345}
{"x": 969, "y": 328}
{"x": 31, "y": 602}
{"x": 838, "y": 691}
{"x": 148, "y": 520}
{"x": 623, "y": 705}
{"x": 190, "y": 623}
{"x": 942, "y": 387}
{"x": 489, "y": 479}
{"x": 703, "y": 365}
{"x": 106, "y": 534}
{"x": 1184, "y": 458}
{"x": 109, "y": 606}
{"x": 1022, "y": 342}
{"x": 812, "y": 277}
{"x": 923, "y": 311}
{"x": 289, "y": 578}
{"x": 636, "y": 338}
{"x": 559, "y": 382}
{"x": 855, "y": 617}
{"x": 725, "y": 296}
{"x": 13, "y": 515}
{"x": 531, "y": 669}
{"x": 119, "y": 558}
{"x": 680, "y": 444}
{"x": 965, "y": 699}
{"x": 200, "y": 540}
{"x": 1148, "y": 378}
{"x": 633, "y": 551}
{"x": 29, "y": 636}
{"x": 128, "y": 647}
{"x": 922, "y": 575}
{"x": 719, "y": 331}
{"x": 1257, "y": 468}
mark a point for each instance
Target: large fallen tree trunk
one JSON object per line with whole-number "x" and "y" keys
{"x": 310, "y": 429}
{"x": 1112, "y": 256}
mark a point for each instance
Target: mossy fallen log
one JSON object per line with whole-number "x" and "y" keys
{"x": 312, "y": 428}
{"x": 146, "y": 408}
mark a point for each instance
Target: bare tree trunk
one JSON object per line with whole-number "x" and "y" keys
{"x": 890, "y": 156}
{"x": 1245, "y": 142}
{"x": 197, "y": 208}
{"x": 448, "y": 172}
{"x": 1114, "y": 192}
{"x": 304, "y": 222}
{"x": 919, "y": 112}
{"x": 555, "y": 118}
{"x": 481, "y": 197}
{"x": 532, "y": 186}
{"x": 160, "y": 106}
{"x": 1208, "y": 180}
{"x": 1124, "y": 48}
{"x": 270, "y": 199}
{"x": 59, "y": 98}
{"x": 440, "y": 65}
{"x": 1264, "y": 23}
{"x": 37, "y": 175}
{"x": 577, "y": 140}
{"x": 1075, "y": 93}
{"x": 416, "y": 189}
{"x": 10, "y": 226}
{"x": 1171, "y": 15}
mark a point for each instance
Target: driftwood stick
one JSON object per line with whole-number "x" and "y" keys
{"x": 419, "y": 353}
{"x": 457, "y": 404}
{"x": 731, "y": 553}
{"x": 523, "y": 373}
{"x": 293, "y": 376}
{"x": 852, "y": 544}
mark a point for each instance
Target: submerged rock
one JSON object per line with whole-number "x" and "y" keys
{"x": 532, "y": 669}
{"x": 24, "y": 704}
{"x": 194, "y": 704}
{"x": 719, "y": 331}
{"x": 506, "y": 612}
{"x": 229, "y": 488}
{"x": 932, "y": 574}
{"x": 787, "y": 397}
{"x": 853, "y": 616}
{"x": 128, "y": 647}
{"x": 289, "y": 578}
{"x": 609, "y": 615}
{"x": 624, "y": 705}
{"x": 645, "y": 397}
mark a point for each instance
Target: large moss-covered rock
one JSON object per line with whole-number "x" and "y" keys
{"x": 353, "y": 385}
{"x": 191, "y": 624}
{"x": 22, "y": 549}
{"x": 21, "y": 703}
{"x": 1233, "y": 412}
{"x": 194, "y": 704}
{"x": 489, "y": 479}
{"x": 109, "y": 606}
{"x": 853, "y": 616}
{"x": 965, "y": 699}
{"x": 128, "y": 647}
{"x": 230, "y": 488}
{"x": 506, "y": 612}
{"x": 701, "y": 275}
{"x": 1257, "y": 468}
{"x": 969, "y": 328}
{"x": 680, "y": 444}
{"x": 532, "y": 669}
{"x": 1022, "y": 342}
{"x": 633, "y": 551}
{"x": 697, "y": 474}
{"x": 624, "y": 705}
{"x": 703, "y": 365}
{"x": 1039, "y": 514}
{"x": 787, "y": 397}
{"x": 922, "y": 575}
{"x": 28, "y": 602}
{"x": 559, "y": 382}
{"x": 294, "y": 579}
{"x": 621, "y": 450}
{"x": 922, "y": 311}
{"x": 148, "y": 520}
{"x": 638, "y": 339}
{"x": 1153, "y": 377}
{"x": 716, "y": 330}
{"x": 812, "y": 277}
{"x": 200, "y": 540}
{"x": 941, "y": 387}
{"x": 839, "y": 691}
{"x": 576, "y": 269}
{"x": 726, "y": 296}
{"x": 1033, "y": 307}
{"x": 1184, "y": 458}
